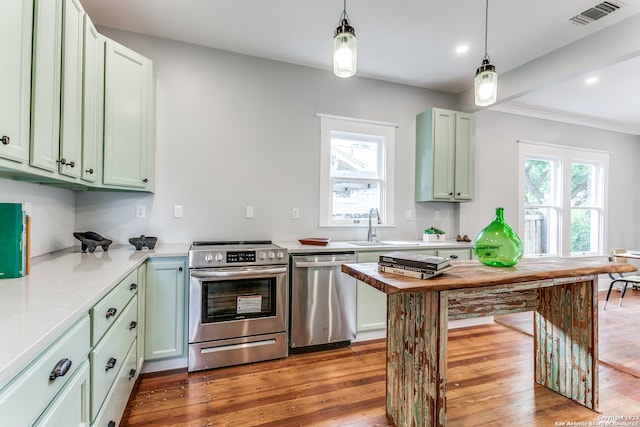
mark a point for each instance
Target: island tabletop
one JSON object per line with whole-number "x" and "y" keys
{"x": 563, "y": 294}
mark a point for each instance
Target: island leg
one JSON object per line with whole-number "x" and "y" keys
{"x": 417, "y": 358}
{"x": 566, "y": 340}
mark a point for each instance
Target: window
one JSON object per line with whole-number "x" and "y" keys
{"x": 562, "y": 200}
{"x": 356, "y": 171}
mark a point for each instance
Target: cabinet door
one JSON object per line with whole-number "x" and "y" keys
{"x": 71, "y": 406}
{"x": 71, "y": 101}
{"x": 126, "y": 116}
{"x": 142, "y": 292}
{"x": 371, "y": 304}
{"x": 444, "y": 139}
{"x": 464, "y": 156}
{"x": 165, "y": 309}
{"x": 16, "y": 18}
{"x": 92, "y": 97}
{"x": 45, "y": 108}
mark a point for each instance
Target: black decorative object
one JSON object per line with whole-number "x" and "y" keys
{"x": 90, "y": 241}
{"x": 142, "y": 241}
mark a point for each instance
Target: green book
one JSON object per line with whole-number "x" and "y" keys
{"x": 11, "y": 228}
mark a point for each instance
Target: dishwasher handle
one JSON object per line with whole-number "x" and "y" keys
{"x": 320, "y": 264}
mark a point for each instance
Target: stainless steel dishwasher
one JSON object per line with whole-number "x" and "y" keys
{"x": 323, "y": 301}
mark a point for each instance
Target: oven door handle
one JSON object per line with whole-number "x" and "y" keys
{"x": 239, "y": 273}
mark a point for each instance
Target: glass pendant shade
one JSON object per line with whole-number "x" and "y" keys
{"x": 498, "y": 245}
{"x": 486, "y": 84}
{"x": 345, "y": 50}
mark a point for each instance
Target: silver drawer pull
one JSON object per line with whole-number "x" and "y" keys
{"x": 111, "y": 363}
{"x": 61, "y": 368}
{"x": 111, "y": 312}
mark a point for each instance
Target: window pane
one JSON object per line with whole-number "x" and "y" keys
{"x": 540, "y": 235}
{"x": 537, "y": 188}
{"x": 582, "y": 183}
{"x": 355, "y": 156}
{"x": 354, "y": 199}
{"x": 585, "y": 227}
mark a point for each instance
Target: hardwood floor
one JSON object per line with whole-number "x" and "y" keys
{"x": 490, "y": 382}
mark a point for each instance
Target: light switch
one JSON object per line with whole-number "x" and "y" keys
{"x": 408, "y": 215}
{"x": 177, "y": 211}
{"x": 248, "y": 212}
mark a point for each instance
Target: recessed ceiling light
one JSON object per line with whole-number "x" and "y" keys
{"x": 462, "y": 48}
{"x": 591, "y": 80}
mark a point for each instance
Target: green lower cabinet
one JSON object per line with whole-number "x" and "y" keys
{"x": 165, "y": 328}
{"x": 142, "y": 288}
{"x": 371, "y": 305}
{"x": 71, "y": 406}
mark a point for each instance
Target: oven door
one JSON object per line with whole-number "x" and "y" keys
{"x": 236, "y": 302}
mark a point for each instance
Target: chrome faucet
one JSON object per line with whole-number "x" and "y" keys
{"x": 370, "y": 233}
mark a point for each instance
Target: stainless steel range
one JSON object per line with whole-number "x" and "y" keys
{"x": 237, "y": 303}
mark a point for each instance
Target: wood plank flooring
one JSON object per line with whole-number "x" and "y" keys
{"x": 490, "y": 382}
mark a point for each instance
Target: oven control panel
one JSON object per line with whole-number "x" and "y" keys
{"x": 222, "y": 258}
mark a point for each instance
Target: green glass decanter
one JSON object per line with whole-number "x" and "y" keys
{"x": 498, "y": 245}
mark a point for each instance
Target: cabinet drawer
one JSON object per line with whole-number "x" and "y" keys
{"x": 104, "y": 313}
{"x": 455, "y": 254}
{"x": 71, "y": 406}
{"x": 24, "y": 399}
{"x": 110, "y": 353}
{"x": 116, "y": 400}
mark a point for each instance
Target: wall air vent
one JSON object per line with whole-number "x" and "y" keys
{"x": 596, "y": 12}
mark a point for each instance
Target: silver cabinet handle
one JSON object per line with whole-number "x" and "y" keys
{"x": 318, "y": 264}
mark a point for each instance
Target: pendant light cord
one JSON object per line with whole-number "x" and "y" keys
{"x": 486, "y": 28}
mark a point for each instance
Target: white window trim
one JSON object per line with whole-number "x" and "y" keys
{"x": 330, "y": 123}
{"x": 570, "y": 154}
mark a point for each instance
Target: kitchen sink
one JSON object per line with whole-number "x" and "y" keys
{"x": 366, "y": 243}
{"x": 383, "y": 243}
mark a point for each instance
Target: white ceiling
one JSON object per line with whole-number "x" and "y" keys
{"x": 413, "y": 42}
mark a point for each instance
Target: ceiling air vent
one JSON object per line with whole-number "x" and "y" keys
{"x": 596, "y": 12}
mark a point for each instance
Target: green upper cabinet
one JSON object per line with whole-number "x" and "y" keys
{"x": 127, "y": 118}
{"x": 93, "y": 95}
{"x": 445, "y": 156}
{"x": 45, "y": 90}
{"x": 16, "y": 20}
{"x": 70, "y": 163}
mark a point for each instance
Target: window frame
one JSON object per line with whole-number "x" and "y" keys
{"x": 386, "y": 131}
{"x": 566, "y": 157}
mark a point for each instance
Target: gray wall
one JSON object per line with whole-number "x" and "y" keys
{"x": 236, "y": 131}
{"x": 52, "y": 213}
{"x": 497, "y": 170}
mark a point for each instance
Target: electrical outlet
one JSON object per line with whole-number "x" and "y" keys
{"x": 436, "y": 215}
{"x": 140, "y": 211}
{"x": 295, "y": 213}
{"x": 177, "y": 211}
{"x": 248, "y": 212}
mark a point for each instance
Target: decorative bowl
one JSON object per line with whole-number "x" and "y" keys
{"x": 91, "y": 240}
{"x": 142, "y": 241}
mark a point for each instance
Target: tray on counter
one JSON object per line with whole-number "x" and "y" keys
{"x": 317, "y": 241}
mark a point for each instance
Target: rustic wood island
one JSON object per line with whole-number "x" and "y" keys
{"x": 563, "y": 293}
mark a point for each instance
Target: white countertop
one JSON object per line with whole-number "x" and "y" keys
{"x": 391, "y": 245}
{"x": 63, "y": 286}
{"x": 60, "y": 289}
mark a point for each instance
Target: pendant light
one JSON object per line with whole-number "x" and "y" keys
{"x": 344, "y": 47}
{"x": 486, "y": 80}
